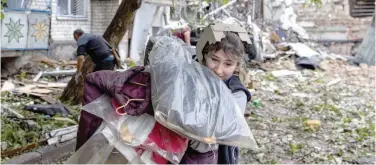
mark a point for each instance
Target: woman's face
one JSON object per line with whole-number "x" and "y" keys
{"x": 221, "y": 64}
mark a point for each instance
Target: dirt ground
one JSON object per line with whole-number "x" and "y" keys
{"x": 285, "y": 112}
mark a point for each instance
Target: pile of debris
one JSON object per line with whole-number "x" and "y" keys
{"x": 237, "y": 9}
{"x": 274, "y": 38}
{"x": 31, "y": 113}
{"x": 32, "y": 64}
{"x": 242, "y": 9}
{"x": 31, "y": 107}
{"x": 312, "y": 116}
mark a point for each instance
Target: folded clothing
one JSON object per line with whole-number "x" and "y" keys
{"x": 165, "y": 144}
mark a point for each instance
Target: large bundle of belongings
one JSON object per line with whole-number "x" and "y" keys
{"x": 148, "y": 114}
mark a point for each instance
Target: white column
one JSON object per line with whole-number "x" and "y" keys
{"x": 141, "y": 27}
{"x": 123, "y": 45}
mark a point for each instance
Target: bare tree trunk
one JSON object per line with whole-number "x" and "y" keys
{"x": 73, "y": 92}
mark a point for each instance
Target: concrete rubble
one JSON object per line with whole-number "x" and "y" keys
{"x": 61, "y": 135}
{"x": 24, "y": 130}
{"x": 341, "y": 98}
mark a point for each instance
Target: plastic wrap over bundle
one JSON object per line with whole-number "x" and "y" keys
{"x": 140, "y": 139}
{"x": 191, "y": 100}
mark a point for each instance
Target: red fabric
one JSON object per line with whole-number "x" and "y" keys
{"x": 180, "y": 35}
{"x": 121, "y": 86}
{"x": 158, "y": 159}
{"x": 162, "y": 138}
{"x": 166, "y": 139}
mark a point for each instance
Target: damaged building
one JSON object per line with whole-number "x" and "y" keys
{"x": 338, "y": 24}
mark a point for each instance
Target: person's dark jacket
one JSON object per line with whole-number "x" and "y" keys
{"x": 96, "y": 46}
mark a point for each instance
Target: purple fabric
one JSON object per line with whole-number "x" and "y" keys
{"x": 135, "y": 89}
{"x": 119, "y": 86}
{"x": 193, "y": 157}
{"x": 179, "y": 35}
{"x": 112, "y": 84}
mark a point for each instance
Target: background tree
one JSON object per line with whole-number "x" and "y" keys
{"x": 2, "y": 5}
{"x": 73, "y": 92}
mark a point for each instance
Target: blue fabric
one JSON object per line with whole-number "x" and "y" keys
{"x": 234, "y": 84}
{"x": 230, "y": 154}
{"x": 109, "y": 58}
{"x": 281, "y": 33}
{"x": 193, "y": 157}
{"x": 228, "y": 80}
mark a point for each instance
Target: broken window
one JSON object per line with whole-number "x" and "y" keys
{"x": 362, "y": 8}
{"x": 72, "y": 8}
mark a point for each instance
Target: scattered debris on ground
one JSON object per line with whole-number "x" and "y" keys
{"x": 31, "y": 110}
{"x": 312, "y": 116}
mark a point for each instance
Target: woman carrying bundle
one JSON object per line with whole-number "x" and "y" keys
{"x": 224, "y": 58}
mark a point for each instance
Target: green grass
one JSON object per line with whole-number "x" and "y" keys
{"x": 294, "y": 148}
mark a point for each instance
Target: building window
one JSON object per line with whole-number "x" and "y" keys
{"x": 362, "y": 8}
{"x": 17, "y": 4}
{"x": 72, "y": 8}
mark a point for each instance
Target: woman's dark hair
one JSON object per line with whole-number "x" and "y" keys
{"x": 231, "y": 44}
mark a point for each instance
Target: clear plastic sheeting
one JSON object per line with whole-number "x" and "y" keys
{"x": 164, "y": 32}
{"x": 133, "y": 130}
{"x": 104, "y": 148}
{"x": 140, "y": 139}
{"x": 95, "y": 151}
{"x": 191, "y": 100}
